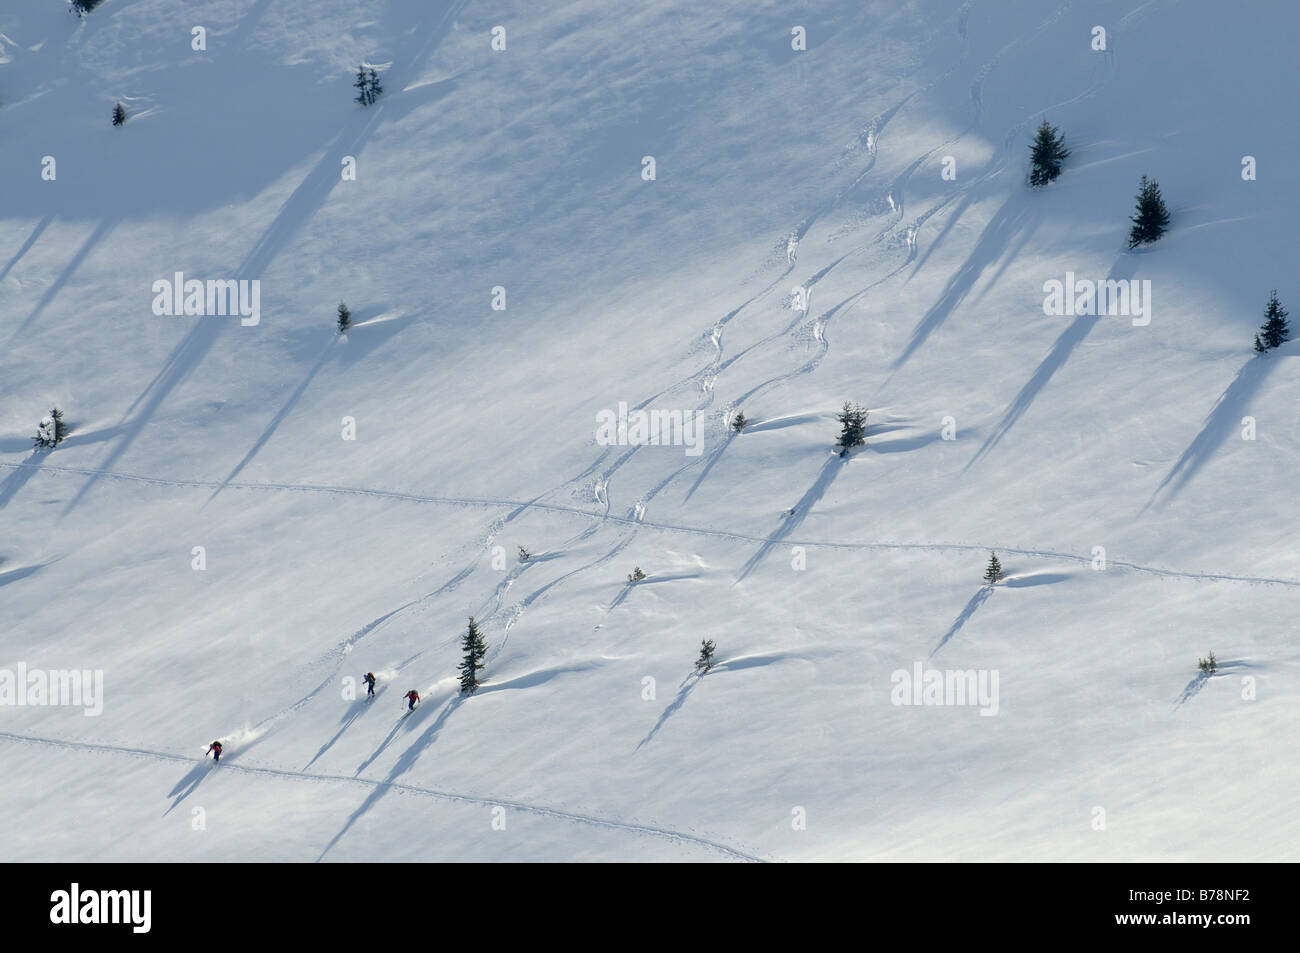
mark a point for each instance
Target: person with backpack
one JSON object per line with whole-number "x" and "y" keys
{"x": 369, "y": 679}
{"x": 215, "y": 750}
{"x": 412, "y": 697}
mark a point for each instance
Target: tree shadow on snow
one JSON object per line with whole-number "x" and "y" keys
{"x": 1070, "y": 338}
{"x": 41, "y": 226}
{"x": 275, "y": 421}
{"x": 1038, "y": 579}
{"x": 19, "y": 476}
{"x": 1222, "y": 420}
{"x": 975, "y": 602}
{"x": 1017, "y": 216}
{"x": 430, "y": 26}
{"x": 1194, "y": 687}
{"x": 684, "y": 690}
{"x": 694, "y": 678}
{"x": 830, "y": 470}
{"x": 532, "y": 679}
{"x": 406, "y": 722}
{"x": 404, "y": 763}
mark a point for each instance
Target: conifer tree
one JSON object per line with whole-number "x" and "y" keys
{"x": 1047, "y": 153}
{"x": 1151, "y": 218}
{"x": 994, "y": 570}
{"x": 739, "y": 421}
{"x": 1208, "y": 666}
{"x": 51, "y": 430}
{"x": 636, "y": 575}
{"x": 853, "y": 421}
{"x": 368, "y": 86}
{"x": 705, "y": 661}
{"x": 475, "y": 649}
{"x": 345, "y": 318}
{"x": 1275, "y": 330}
{"x": 524, "y": 555}
{"x": 82, "y": 7}
{"x": 119, "y": 115}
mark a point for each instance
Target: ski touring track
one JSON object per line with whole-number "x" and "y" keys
{"x": 596, "y": 517}
{"x": 704, "y": 379}
{"x": 541, "y": 810}
{"x": 894, "y": 193}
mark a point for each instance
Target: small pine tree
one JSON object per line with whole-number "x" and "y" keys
{"x": 1047, "y": 153}
{"x": 993, "y": 572}
{"x": 524, "y": 555}
{"x": 705, "y": 661}
{"x": 119, "y": 115}
{"x": 1151, "y": 218}
{"x": 368, "y": 86}
{"x": 345, "y": 318}
{"x": 853, "y": 421}
{"x": 82, "y": 7}
{"x": 636, "y": 575}
{"x": 475, "y": 649}
{"x": 1275, "y": 331}
{"x": 51, "y": 430}
{"x": 739, "y": 421}
{"x": 1208, "y": 666}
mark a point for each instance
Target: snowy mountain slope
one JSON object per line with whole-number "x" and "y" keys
{"x": 476, "y": 429}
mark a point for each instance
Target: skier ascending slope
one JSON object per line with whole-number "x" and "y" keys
{"x": 412, "y": 698}
{"x": 215, "y": 749}
{"x": 369, "y": 679}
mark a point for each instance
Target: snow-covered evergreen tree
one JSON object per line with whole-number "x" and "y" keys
{"x": 1208, "y": 666}
{"x": 636, "y": 575}
{"x": 119, "y": 115}
{"x": 1275, "y": 330}
{"x": 367, "y": 85}
{"x": 1047, "y": 153}
{"x": 52, "y": 429}
{"x": 853, "y": 423}
{"x": 1151, "y": 218}
{"x": 993, "y": 572}
{"x": 345, "y": 318}
{"x": 705, "y": 661}
{"x": 739, "y": 421}
{"x": 475, "y": 649}
{"x": 82, "y": 7}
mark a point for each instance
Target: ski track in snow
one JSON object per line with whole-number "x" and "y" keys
{"x": 542, "y": 810}
{"x": 665, "y": 527}
{"x": 703, "y": 380}
{"x": 706, "y": 377}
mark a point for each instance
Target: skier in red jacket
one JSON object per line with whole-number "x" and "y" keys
{"x": 412, "y": 697}
{"x": 215, "y": 750}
